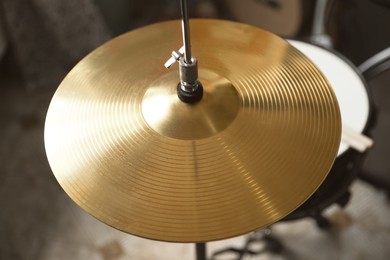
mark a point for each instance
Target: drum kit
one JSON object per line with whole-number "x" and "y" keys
{"x": 211, "y": 151}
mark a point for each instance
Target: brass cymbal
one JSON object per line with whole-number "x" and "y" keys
{"x": 129, "y": 152}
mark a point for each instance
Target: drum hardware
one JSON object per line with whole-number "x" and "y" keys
{"x": 200, "y": 251}
{"x": 262, "y": 238}
{"x": 128, "y": 149}
{"x": 189, "y": 90}
{"x": 376, "y": 64}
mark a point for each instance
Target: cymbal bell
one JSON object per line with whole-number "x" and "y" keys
{"x": 129, "y": 152}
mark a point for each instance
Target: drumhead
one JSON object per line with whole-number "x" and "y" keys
{"x": 347, "y": 84}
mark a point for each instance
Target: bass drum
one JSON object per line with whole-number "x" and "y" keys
{"x": 357, "y": 113}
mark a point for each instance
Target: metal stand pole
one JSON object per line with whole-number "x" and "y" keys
{"x": 200, "y": 251}
{"x": 189, "y": 90}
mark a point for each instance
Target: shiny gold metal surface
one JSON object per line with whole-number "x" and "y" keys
{"x": 258, "y": 144}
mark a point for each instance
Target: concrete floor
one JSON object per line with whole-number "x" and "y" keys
{"x": 362, "y": 231}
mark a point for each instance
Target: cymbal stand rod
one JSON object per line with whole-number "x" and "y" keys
{"x": 186, "y": 31}
{"x": 201, "y": 251}
{"x": 189, "y": 90}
